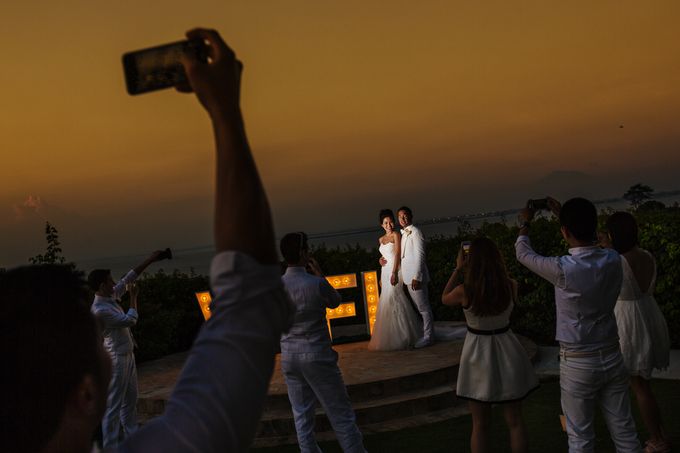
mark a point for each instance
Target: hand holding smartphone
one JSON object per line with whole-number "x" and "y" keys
{"x": 465, "y": 245}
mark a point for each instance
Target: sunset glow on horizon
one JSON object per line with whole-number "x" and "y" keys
{"x": 447, "y": 106}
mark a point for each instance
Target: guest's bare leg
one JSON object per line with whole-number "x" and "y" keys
{"x": 649, "y": 409}
{"x": 481, "y": 418}
{"x": 516, "y": 426}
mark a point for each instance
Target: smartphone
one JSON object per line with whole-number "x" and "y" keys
{"x": 538, "y": 204}
{"x": 159, "y": 67}
{"x": 466, "y": 247}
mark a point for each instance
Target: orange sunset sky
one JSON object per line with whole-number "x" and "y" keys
{"x": 448, "y": 106}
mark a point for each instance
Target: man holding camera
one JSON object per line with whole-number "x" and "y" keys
{"x": 308, "y": 362}
{"x": 587, "y": 283}
{"x": 121, "y": 405}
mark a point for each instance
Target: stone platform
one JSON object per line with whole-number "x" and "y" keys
{"x": 389, "y": 390}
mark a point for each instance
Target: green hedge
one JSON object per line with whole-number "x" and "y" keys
{"x": 170, "y": 316}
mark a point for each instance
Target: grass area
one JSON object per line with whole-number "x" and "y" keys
{"x": 541, "y": 411}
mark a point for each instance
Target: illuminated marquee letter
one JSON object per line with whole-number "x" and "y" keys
{"x": 344, "y": 310}
{"x": 204, "y": 300}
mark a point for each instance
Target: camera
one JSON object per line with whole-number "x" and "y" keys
{"x": 538, "y": 204}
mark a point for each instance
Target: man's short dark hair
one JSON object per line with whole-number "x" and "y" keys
{"x": 623, "y": 231}
{"x": 407, "y": 210}
{"x": 579, "y": 216}
{"x": 49, "y": 341}
{"x": 292, "y": 245}
{"x": 97, "y": 277}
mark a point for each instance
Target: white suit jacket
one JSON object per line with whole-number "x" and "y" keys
{"x": 413, "y": 262}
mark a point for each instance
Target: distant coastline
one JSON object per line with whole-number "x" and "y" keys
{"x": 198, "y": 258}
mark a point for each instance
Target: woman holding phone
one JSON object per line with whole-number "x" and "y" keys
{"x": 494, "y": 367}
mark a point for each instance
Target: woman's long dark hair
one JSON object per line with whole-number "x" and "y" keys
{"x": 487, "y": 286}
{"x": 623, "y": 231}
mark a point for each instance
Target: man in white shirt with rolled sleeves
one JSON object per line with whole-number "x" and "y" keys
{"x": 414, "y": 272}
{"x": 115, "y": 323}
{"x": 587, "y": 283}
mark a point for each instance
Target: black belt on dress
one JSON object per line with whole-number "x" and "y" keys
{"x": 488, "y": 332}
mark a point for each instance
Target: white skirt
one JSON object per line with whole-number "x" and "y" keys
{"x": 494, "y": 369}
{"x": 643, "y": 336}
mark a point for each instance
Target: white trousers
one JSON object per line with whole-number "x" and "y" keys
{"x": 599, "y": 380}
{"x": 121, "y": 406}
{"x": 315, "y": 376}
{"x": 422, "y": 301}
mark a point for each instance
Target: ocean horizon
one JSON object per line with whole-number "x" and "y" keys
{"x": 197, "y": 259}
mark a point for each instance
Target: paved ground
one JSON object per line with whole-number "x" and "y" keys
{"x": 157, "y": 378}
{"x": 548, "y": 364}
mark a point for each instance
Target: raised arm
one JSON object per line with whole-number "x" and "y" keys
{"x": 454, "y": 293}
{"x": 113, "y": 319}
{"x": 120, "y": 287}
{"x": 242, "y": 216}
{"x": 331, "y": 297}
{"x": 547, "y": 267}
{"x": 219, "y": 397}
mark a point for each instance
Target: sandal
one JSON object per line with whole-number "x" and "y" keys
{"x": 659, "y": 446}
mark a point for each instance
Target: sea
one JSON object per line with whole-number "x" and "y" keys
{"x": 197, "y": 259}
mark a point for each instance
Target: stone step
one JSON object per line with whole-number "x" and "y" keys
{"x": 389, "y": 390}
{"x": 278, "y": 423}
{"x": 373, "y": 428}
{"x": 369, "y": 391}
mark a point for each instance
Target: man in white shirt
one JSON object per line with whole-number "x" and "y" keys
{"x": 587, "y": 283}
{"x": 414, "y": 272}
{"x": 55, "y": 369}
{"x": 308, "y": 362}
{"x": 120, "y": 418}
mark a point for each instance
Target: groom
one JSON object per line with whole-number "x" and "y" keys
{"x": 414, "y": 272}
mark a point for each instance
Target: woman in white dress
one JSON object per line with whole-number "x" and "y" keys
{"x": 643, "y": 333}
{"x": 494, "y": 367}
{"x": 396, "y": 325}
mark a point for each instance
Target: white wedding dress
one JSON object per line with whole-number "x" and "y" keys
{"x": 397, "y": 325}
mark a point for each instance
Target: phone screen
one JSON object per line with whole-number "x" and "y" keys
{"x": 159, "y": 67}
{"x": 466, "y": 247}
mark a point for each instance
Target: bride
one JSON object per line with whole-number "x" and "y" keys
{"x": 396, "y": 325}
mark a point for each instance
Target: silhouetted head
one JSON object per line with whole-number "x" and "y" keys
{"x": 623, "y": 231}
{"x": 54, "y": 362}
{"x": 294, "y": 248}
{"x": 405, "y": 216}
{"x": 100, "y": 280}
{"x": 579, "y": 217}
{"x": 487, "y": 286}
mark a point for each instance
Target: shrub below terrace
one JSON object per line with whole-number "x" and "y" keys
{"x": 170, "y": 317}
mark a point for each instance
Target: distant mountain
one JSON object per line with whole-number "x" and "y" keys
{"x": 563, "y": 184}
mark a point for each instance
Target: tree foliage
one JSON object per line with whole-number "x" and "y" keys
{"x": 638, "y": 194}
{"x": 53, "y": 254}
